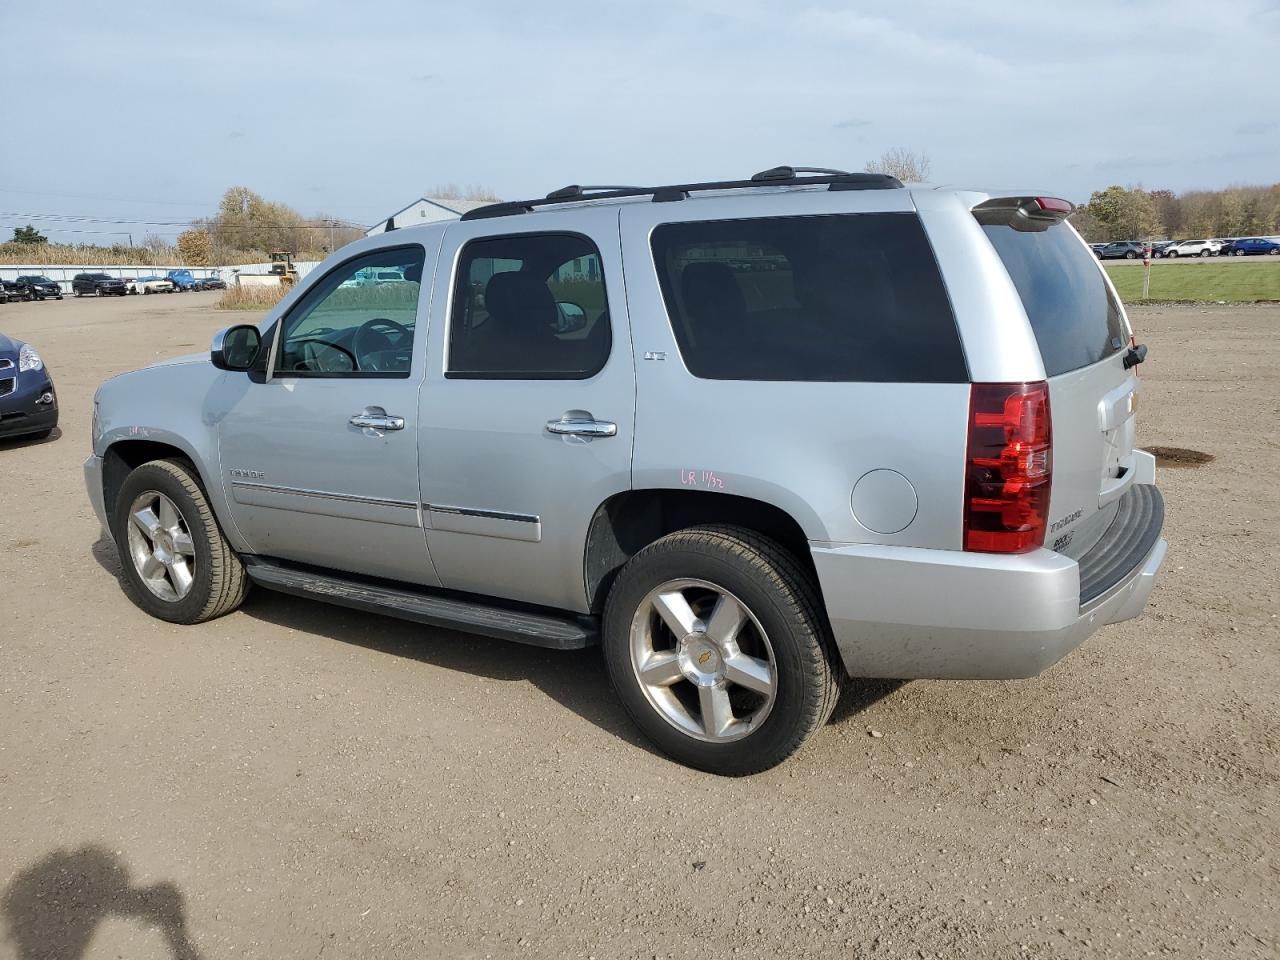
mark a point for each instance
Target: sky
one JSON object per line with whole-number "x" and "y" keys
{"x": 147, "y": 112}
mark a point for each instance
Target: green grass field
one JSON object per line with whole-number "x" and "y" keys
{"x": 1234, "y": 282}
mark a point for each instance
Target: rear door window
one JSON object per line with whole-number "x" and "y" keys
{"x": 1076, "y": 320}
{"x": 849, "y": 297}
{"x": 529, "y": 307}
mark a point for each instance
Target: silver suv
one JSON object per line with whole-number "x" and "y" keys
{"x": 750, "y": 436}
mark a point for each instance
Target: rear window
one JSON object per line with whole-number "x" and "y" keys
{"x": 850, "y": 297}
{"x": 1076, "y": 320}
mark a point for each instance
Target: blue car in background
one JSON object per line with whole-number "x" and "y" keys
{"x": 182, "y": 280}
{"x": 28, "y": 403}
{"x": 1255, "y": 245}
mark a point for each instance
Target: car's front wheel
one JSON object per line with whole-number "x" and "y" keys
{"x": 718, "y": 648}
{"x": 177, "y": 564}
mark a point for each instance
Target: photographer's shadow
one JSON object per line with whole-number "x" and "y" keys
{"x": 53, "y": 907}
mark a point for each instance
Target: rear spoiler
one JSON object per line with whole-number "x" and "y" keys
{"x": 1027, "y": 214}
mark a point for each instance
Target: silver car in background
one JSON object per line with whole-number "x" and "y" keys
{"x": 751, "y": 436}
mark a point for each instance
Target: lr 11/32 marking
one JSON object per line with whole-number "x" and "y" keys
{"x": 701, "y": 478}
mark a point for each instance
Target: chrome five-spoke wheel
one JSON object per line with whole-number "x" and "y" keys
{"x": 703, "y": 660}
{"x": 160, "y": 546}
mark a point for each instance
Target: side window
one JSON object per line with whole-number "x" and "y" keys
{"x": 849, "y": 297}
{"x": 358, "y": 321}
{"x": 528, "y": 307}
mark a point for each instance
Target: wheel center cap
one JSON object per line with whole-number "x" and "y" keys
{"x": 700, "y": 660}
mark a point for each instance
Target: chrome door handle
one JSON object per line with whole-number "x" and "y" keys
{"x": 375, "y": 418}
{"x": 575, "y": 427}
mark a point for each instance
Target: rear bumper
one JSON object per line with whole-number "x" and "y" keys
{"x": 911, "y": 613}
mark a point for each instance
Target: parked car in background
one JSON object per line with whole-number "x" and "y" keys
{"x": 1158, "y": 247}
{"x": 182, "y": 280}
{"x": 211, "y": 283}
{"x": 1252, "y": 246}
{"x": 1122, "y": 250}
{"x": 150, "y": 285}
{"x": 10, "y": 290}
{"x": 1225, "y": 247}
{"x": 1097, "y": 248}
{"x": 1194, "y": 248}
{"x": 28, "y": 402}
{"x": 533, "y": 480}
{"x": 98, "y": 285}
{"x": 41, "y": 288}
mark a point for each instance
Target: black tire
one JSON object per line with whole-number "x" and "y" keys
{"x": 1274, "y": 251}
{"x": 1205, "y": 253}
{"x": 781, "y": 595}
{"x": 1131, "y": 255}
{"x": 219, "y": 584}
{"x": 1172, "y": 254}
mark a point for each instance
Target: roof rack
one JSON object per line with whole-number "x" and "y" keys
{"x": 773, "y": 177}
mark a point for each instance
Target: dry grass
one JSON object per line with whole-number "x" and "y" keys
{"x": 251, "y": 298}
{"x": 61, "y": 253}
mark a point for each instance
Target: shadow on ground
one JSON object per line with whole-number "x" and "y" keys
{"x": 18, "y": 443}
{"x": 576, "y": 679}
{"x": 53, "y": 907}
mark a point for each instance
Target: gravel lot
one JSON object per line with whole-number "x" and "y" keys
{"x": 297, "y": 780}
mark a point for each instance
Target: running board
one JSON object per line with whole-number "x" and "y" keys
{"x": 557, "y": 631}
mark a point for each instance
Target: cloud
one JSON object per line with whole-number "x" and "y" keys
{"x": 1257, "y": 128}
{"x": 852, "y": 123}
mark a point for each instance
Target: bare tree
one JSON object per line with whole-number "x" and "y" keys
{"x": 451, "y": 191}
{"x": 907, "y": 165}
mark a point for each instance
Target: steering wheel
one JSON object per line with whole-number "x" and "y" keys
{"x": 376, "y": 336}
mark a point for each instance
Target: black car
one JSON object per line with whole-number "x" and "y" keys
{"x": 98, "y": 284}
{"x": 41, "y": 288}
{"x": 10, "y": 290}
{"x": 1158, "y": 247}
{"x": 211, "y": 283}
{"x": 28, "y": 403}
{"x": 1121, "y": 250}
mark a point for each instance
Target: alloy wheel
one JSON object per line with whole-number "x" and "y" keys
{"x": 703, "y": 660}
{"x": 160, "y": 546}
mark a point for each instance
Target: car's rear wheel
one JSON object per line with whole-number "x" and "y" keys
{"x": 718, "y": 648}
{"x": 176, "y": 562}
{"x": 1131, "y": 255}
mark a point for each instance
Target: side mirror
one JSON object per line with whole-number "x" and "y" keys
{"x": 236, "y": 348}
{"x": 572, "y": 317}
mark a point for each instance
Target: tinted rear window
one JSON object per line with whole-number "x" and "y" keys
{"x": 851, "y": 297}
{"x": 1075, "y": 318}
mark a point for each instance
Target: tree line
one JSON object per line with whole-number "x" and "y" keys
{"x": 1133, "y": 213}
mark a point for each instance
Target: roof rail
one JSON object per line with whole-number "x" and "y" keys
{"x": 773, "y": 177}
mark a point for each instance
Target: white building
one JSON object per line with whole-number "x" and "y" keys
{"x": 427, "y": 210}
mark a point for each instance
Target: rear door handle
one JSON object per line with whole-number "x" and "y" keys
{"x": 571, "y": 425}
{"x": 375, "y": 418}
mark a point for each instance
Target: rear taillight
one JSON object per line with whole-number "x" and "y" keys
{"x": 1008, "y": 468}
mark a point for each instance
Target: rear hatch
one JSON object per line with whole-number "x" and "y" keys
{"x": 1083, "y": 334}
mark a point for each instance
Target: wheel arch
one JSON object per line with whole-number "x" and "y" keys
{"x": 125, "y": 455}
{"x": 627, "y": 522}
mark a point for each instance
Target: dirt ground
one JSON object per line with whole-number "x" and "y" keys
{"x": 298, "y": 780}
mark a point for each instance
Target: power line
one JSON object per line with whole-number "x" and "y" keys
{"x": 55, "y": 218}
